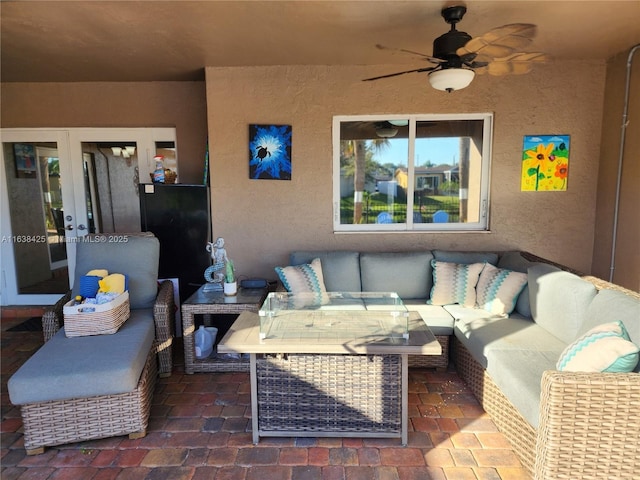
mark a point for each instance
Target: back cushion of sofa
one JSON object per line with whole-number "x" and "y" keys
{"x": 610, "y": 306}
{"x": 407, "y": 273}
{"x": 341, "y": 269}
{"x": 559, "y": 300}
{"x": 465, "y": 257}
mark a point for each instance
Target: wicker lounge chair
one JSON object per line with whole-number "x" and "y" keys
{"x": 57, "y": 420}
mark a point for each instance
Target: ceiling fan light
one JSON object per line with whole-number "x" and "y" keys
{"x": 450, "y": 79}
{"x": 386, "y": 132}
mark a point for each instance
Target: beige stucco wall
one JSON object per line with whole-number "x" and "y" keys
{"x": 262, "y": 220}
{"x": 150, "y": 104}
{"x": 626, "y": 271}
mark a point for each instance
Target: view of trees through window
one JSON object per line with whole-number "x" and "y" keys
{"x": 412, "y": 173}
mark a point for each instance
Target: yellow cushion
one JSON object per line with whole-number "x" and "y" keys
{"x": 114, "y": 283}
{"x": 98, "y": 273}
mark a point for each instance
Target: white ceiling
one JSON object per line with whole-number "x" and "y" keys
{"x": 56, "y": 41}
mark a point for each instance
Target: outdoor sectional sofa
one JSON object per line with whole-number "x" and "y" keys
{"x": 562, "y": 424}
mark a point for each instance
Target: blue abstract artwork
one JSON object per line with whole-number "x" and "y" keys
{"x": 270, "y": 152}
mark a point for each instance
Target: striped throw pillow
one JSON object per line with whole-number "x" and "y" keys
{"x": 605, "y": 348}
{"x": 305, "y": 278}
{"x": 454, "y": 283}
{"x": 498, "y": 289}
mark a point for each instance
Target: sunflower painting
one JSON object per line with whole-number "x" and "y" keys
{"x": 545, "y": 163}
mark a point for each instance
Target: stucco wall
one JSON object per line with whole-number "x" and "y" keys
{"x": 150, "y": 104}
{"x": 262, "y": 220}
{"x": 626, "y": 271}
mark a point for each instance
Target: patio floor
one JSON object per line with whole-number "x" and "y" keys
{"x": 200, "y": 428}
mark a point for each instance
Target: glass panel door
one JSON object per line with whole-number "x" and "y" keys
{"x": 37, "y": 217}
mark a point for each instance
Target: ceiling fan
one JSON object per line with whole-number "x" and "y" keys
{"x": 458, "y": 57}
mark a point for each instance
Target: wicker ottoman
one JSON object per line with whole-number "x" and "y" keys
{"x": 83, "y": 388}
{"x": 78, "y": 419}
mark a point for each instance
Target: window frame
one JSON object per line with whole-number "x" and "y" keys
{"x": 409, "y": 225}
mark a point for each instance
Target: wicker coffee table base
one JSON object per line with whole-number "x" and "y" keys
{"x": 322, "y": 395}
{"x": 68, "y": 421}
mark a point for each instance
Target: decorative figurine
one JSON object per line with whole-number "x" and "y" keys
{"x": 214, "y": 274}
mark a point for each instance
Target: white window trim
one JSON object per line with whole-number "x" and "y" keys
{"x": 410, "y": 226}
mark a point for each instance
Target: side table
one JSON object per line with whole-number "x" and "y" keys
{"x": 215, "y": 303}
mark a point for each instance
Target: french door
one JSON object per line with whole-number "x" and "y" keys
{"x": 58, "y": 185}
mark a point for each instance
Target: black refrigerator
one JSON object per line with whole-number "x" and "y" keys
{"x": 179, "y": 216}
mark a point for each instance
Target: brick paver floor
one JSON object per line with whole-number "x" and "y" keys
{"x": 200, "y": 429}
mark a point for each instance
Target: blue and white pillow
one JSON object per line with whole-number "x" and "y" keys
{"x": 305, "y": 278}
{"x": 454, "y": 283}
{"x": 605, "y": 348}
{"x": 498, "y": 289}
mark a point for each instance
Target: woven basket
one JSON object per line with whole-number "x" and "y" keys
{"x": 105, "y": 320}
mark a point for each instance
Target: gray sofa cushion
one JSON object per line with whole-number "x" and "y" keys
{"x": 559, "y": 300}
{"x": 481, "y": 335}
{"x": 440, "y": 322}
{"x": 408, "y": 273}
{"x": 135, "y": 255}
{"x": 65, "y": 368}
{"x": 341, "y": 269}
{"x": 609, "y": 306}
{"x": 518, "y": 373}
{"x": 465, "y": 257}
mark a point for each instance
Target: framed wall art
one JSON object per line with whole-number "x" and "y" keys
{"x": 270, "y": 152}
{"x": 25, "y": 158}
{"x": 545, "y": 163}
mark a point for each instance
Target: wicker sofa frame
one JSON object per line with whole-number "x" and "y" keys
{"x": 589, "y": 422}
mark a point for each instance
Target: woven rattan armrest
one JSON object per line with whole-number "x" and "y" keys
{"x": 53, "y": 319}
{"x": 164, "y": 318}
{"x": 589, "y": 426}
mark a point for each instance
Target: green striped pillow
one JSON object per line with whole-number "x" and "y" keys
{"x": 605, "y": 348}
{"x": 454, "y": 283}
{"x": 498, "y": 289}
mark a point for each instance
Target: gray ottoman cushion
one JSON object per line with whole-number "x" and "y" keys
{"x": 408, "y": 274}
{"x": 559, "y": 300}
{"x": 141, "y": 265}
{"x": 79, "y": 367}
{"x": 341, "y": 269}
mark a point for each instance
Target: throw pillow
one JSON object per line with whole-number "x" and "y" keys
{"x": 498, "y": 289}
{"x": 454, "y": 283}
{"x": 605, "y": 348}
{"x": 305, "y": 278}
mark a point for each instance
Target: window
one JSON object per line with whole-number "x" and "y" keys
{"x": 411, "y": 172}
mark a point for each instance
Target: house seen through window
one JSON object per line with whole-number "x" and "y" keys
{"x": 413, "y": 172}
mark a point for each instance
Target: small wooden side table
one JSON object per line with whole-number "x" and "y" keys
{"x": 215, "y": 303}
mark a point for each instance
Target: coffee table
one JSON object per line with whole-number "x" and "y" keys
{"x": 331, "y": 368}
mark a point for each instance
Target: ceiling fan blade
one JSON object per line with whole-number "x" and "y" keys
{"x": 501, "y": 41}
{"x": 411, "y": 52}
{"x": 427, "y": 69}
{"x": 516, "y": 64}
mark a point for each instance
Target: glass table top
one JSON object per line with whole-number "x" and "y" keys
{"x": 333, "y": 315}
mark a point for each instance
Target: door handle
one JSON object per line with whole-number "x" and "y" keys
{"x": 81, "y": 227}
{"x": 69, "y": 227}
